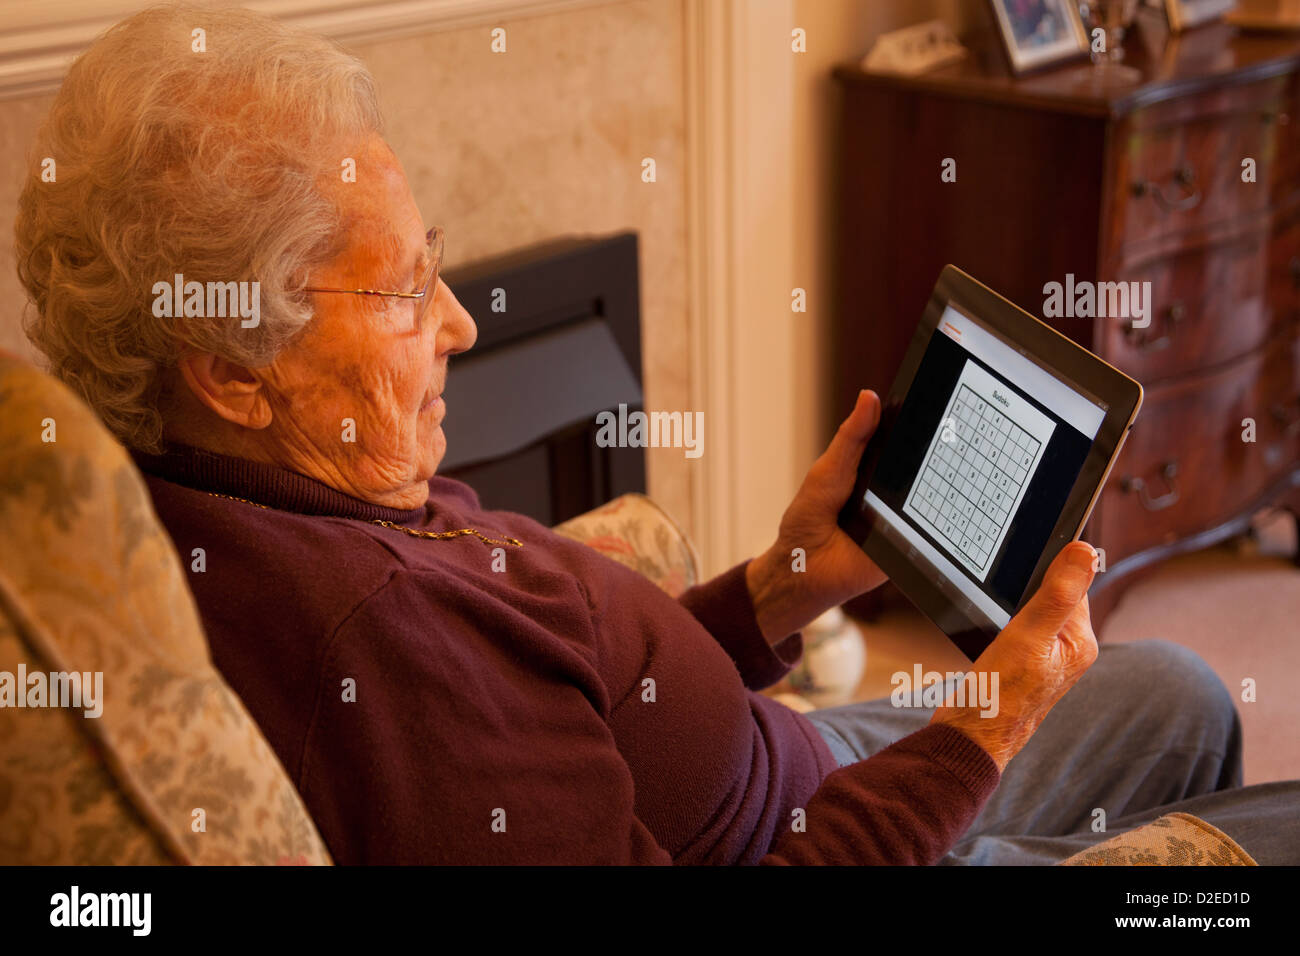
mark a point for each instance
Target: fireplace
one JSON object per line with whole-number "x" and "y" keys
{"x": 559, "y": 341}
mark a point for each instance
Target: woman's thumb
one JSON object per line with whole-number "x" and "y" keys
{"x": 846, "y": 447}
{"x": 1064, "y": 585}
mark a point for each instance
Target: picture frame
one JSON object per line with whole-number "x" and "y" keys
{"x": 1039, "y": 34}
{"x": 1185, "y": 14}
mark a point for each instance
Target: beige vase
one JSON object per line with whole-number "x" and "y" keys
{"x": 834, "y": 660}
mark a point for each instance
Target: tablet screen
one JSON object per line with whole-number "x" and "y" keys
{"x": 977, "y": 470}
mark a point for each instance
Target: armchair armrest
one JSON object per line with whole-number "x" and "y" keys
{"x": 636, "y": 532}
{"x": 1175, "y": 839}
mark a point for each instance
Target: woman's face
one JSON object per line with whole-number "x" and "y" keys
{"x": 357, "y": 400}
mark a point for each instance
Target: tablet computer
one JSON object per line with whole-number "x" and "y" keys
{"x": 993, "y": 446}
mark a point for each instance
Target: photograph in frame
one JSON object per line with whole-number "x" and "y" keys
{"x": 1039, "y": 33}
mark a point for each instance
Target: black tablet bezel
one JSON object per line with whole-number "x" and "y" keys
{"x": 937, "y": 598}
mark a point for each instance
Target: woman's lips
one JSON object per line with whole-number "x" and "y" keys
{"x": 435, "y": 402}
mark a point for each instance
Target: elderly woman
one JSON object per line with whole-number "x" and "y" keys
{"x": 429, "y": 708}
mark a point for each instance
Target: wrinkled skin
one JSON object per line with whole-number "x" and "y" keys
{"x": 1038, "y": 656}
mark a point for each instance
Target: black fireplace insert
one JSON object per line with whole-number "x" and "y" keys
{"x": 559, "y": 341}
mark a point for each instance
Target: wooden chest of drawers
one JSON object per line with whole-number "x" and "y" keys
{"x": 1189, "y": 180}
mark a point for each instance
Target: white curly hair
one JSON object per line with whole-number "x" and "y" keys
{"x": 170, "y": 161}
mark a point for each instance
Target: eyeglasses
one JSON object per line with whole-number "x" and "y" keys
{"x": 433, "y": 254}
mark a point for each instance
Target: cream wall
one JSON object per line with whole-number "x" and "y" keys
{"x": 839, "y": 31}
{"x": 19, "y": 120}
{"x": 547, "y": 140}
{"x": 767, "y": 149}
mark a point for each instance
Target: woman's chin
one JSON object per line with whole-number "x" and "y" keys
{"x": 436, "y": 449}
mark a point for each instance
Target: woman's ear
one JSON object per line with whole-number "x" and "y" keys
{"x": 232, "y": 391}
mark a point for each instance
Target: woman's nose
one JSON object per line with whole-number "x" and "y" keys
{"x": 458, "y": 332}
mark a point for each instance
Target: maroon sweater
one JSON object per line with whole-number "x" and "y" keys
{"x": 503, "y": 717}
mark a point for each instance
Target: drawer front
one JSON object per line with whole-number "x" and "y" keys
{"x": 1185, "y": 467}
{"x": 1208, "y": 306}
{"x": 1284, "y": 273}
{"x": 1286, "y": 163}
{"x": 1283, "y": 452}
{"x": 1182, "y": 176}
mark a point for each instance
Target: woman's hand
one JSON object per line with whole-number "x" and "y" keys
{"x": 1037, "y": 658}
{"x": 835, "y": 569}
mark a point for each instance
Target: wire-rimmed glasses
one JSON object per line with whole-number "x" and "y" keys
{"x": 433, "y": 253}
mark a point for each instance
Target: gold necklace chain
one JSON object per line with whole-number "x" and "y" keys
{"x": 413, "y": 532}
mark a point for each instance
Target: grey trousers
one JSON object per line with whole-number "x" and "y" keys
{"x": 1148, "y": 730}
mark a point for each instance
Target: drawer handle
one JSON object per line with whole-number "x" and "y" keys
{"x": 1173, "y": 315}
{"x": 1170, "y": 472}
{"x": 1184, "y": 178}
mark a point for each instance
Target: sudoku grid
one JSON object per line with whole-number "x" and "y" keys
{"x": 971, "y": 482}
